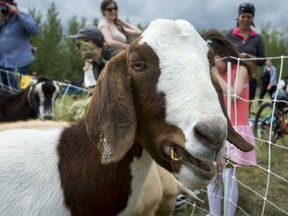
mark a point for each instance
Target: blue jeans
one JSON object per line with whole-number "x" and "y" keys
{"x": 9, "y": 77}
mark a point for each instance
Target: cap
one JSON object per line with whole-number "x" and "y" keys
{"x": 90, "y": 33}
{"x": 246, "y": 8}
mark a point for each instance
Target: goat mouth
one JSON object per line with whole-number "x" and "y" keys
{"x": 179, "y": 155}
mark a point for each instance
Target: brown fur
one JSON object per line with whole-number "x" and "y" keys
{"x": 15, "y": 107}
{"x": 125, "y": 114}
{"x": 96, "y": 189}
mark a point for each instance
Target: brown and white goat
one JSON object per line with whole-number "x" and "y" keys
{"x": 159, "y": 192}
{"x": 155, "y": 100}
{"x": 36, "y": 101}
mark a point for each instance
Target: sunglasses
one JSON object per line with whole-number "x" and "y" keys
{"x": 111, "y": 9}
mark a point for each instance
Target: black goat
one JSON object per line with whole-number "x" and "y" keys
{"x": 36, "y": 101}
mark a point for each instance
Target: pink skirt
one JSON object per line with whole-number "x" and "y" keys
{"x": 238, "y": 156}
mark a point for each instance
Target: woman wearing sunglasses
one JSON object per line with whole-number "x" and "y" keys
{"x": 115, "y": 30}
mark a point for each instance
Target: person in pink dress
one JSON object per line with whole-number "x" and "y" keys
{"x": 240, "y": 77}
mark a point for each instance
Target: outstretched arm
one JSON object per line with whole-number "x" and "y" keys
{"x": 129, "y": 28}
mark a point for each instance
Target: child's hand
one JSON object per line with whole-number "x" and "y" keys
{"x": 215, "y": 71}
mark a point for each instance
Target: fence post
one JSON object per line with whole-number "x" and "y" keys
{"x": 226, "y": 204}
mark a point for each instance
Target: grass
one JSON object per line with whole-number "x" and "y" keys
{"x": 257, "y": 180}
{"x": 66, "y": 109}
{"x": 278, "y": 189}
{"x": 249, "y": 201}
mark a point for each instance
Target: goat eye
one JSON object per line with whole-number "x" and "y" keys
{"x": 138, "y": 66}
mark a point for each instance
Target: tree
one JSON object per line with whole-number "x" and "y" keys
{"x": 276, "y": 44}
{"x": 49, "y": 47}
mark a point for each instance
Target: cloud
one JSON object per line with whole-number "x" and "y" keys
{"x": 206, "y": 14}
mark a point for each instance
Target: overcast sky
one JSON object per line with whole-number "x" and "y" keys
{"x": 203, "y": 14}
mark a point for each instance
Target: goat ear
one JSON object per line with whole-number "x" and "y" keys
{"x": 111, "y": 117}
{"x": 233, "y": 137}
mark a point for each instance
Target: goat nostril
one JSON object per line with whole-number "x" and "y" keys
{"x": 211, "y": 133}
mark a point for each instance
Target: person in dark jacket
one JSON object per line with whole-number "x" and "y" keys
{"x": 249, "y": 43}
{"x": 90, "y": 43}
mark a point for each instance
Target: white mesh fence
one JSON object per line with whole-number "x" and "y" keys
{"x": 270, "y": 192}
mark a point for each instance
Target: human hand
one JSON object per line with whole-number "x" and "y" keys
{"x": 121, "y": 22}
{"x": 13, "y": 9}
{"x": 269, "y": 87}
{"x": 215, "y": 71}
{"x": 244, "y": 55}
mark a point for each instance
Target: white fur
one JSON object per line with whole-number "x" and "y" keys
{"x": 140, "y": 168}
{"x": 29, "y": 174}
{"x": 184, "y": 73}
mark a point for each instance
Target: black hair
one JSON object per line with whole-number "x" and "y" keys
{"x": 105, "y": 3}
{"x": 224, "y": 48}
